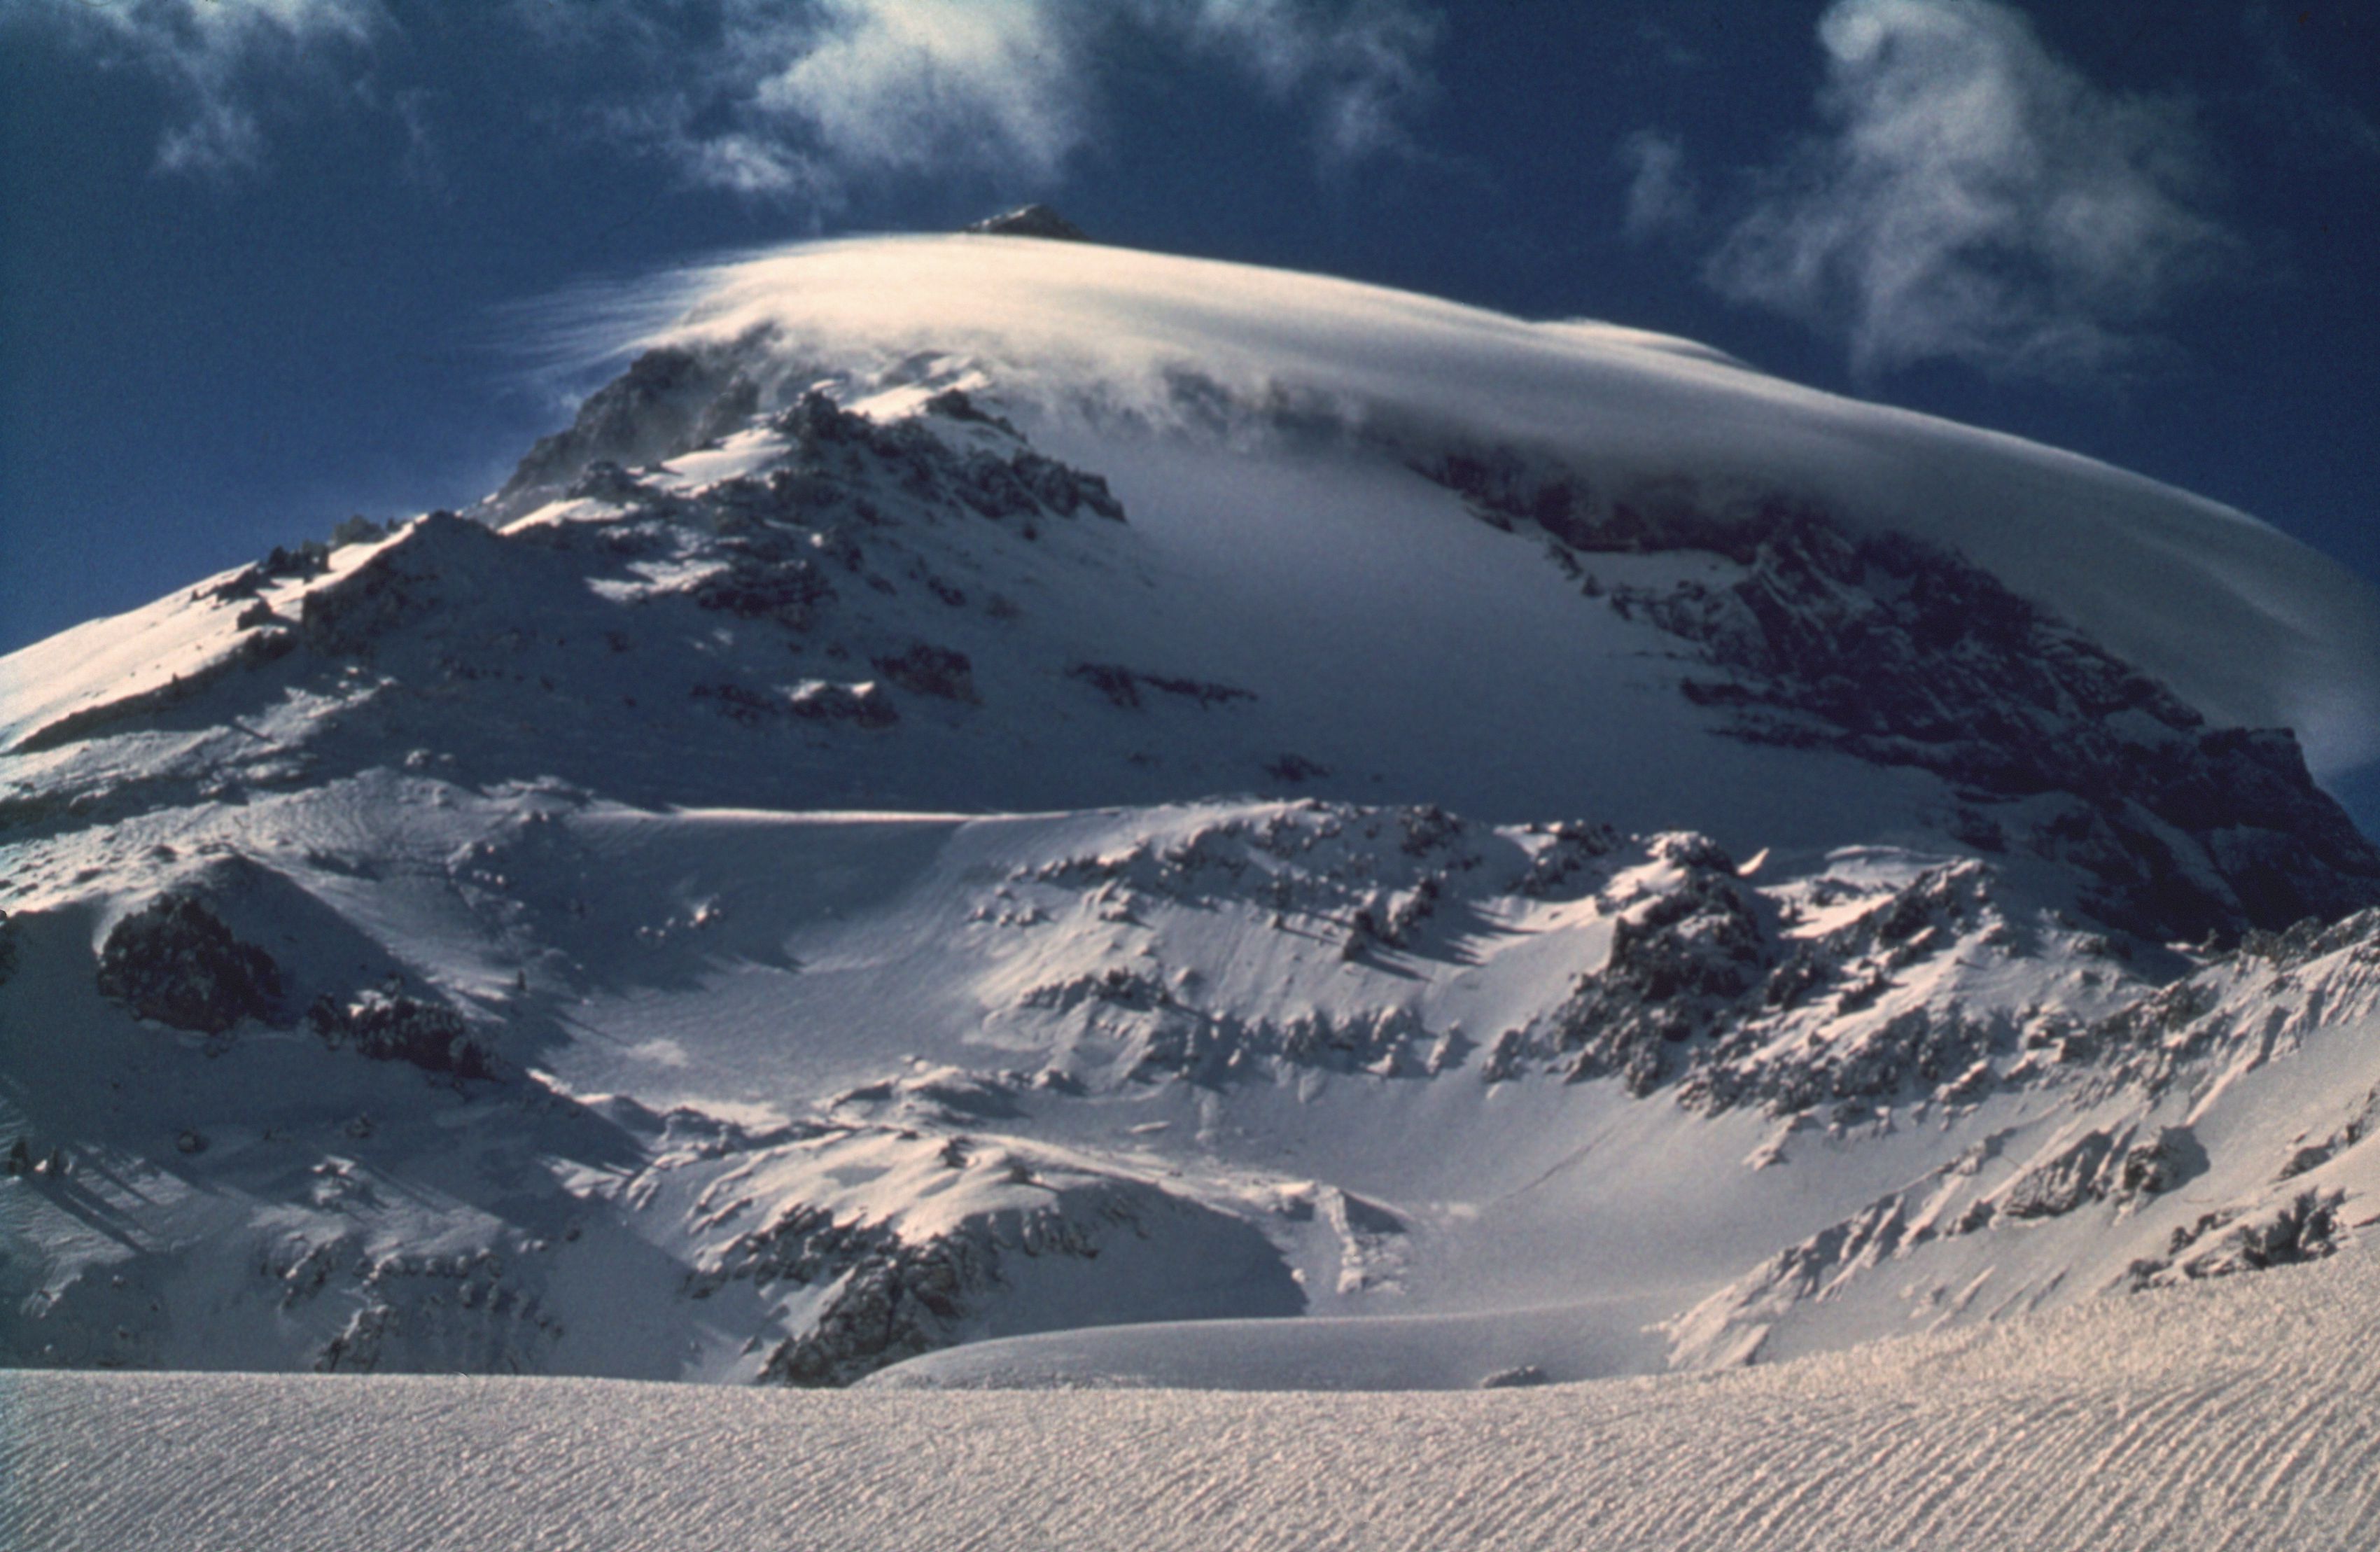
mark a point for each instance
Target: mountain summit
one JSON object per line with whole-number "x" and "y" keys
{"x": 1030, "y": 221}
{"x": 1010, "y": 791}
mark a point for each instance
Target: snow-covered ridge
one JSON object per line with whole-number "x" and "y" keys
{"x": 2248, "y": 624}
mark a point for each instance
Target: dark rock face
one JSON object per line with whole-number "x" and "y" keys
{"x": 864, "y": 705}
{"x": 176, "y": 961}
{"x": 1679, "y": 963}
{"x": 835, "y": 446}
{"x": 391, "y": 1027}
{"x": 1904, "y": 654}
{"x": 927, "y": 670}
{"x": 1030, "y": 221}
{"x": 401, "y": 584}
{"x": 754, "y": 587}
{"x": 898, "y": 1301}
{"x": 1907, "y": 655}
{"x": 668, "y": 401}
{"x": 1123, "y": 686}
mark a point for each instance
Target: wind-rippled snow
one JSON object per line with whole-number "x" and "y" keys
{"x": 2234, "y": 1415}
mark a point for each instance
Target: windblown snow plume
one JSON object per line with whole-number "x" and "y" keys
{"x": 2248, "y": 624}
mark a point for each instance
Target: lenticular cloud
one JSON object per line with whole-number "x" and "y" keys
{"x": 2252, "y": 626}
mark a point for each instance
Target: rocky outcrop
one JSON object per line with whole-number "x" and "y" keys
{"x": 385, "y": 1024}
{"x": 1029, "y": 221}
{"x": 1679, "y": 959}
{"x": 669, "y": 400}
{"x": 1904, "y": 654}
{"x": 174, "y": 962}
{"x": 405, "y": 582}
{"x": 1123, "y": 686}
{"x": 927, "y": 669}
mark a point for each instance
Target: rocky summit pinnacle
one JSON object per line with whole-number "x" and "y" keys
{"x": 1030, "y": 221}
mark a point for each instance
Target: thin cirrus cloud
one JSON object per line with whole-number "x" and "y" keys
{"x": 224, "y": 63}
{"x": 1976, "y": 199}
{"x": 1662, "y": 197}
{"x": 817, "y": 92}
{"x": 793, "y": 97}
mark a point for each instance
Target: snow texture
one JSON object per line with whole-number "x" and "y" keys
{"x": 2231, "y": 1416}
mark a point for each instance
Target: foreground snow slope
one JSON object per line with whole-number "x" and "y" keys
{"x": 2235, "y": 1416}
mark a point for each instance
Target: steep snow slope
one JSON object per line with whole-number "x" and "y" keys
{"x": 1004, "y": 827}
{"x": 2228, "y": 1416}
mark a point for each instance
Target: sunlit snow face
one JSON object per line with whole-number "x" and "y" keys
{"x": 2247, "y": 623}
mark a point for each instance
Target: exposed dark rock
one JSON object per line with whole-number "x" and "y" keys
{"x": 1562, "y": 869}
{"x": 1029, "y": 221}
{"x": 388, "y": 1026}
{"x": 931, "y": 670}
{"x": 2058, "y": 1184}
{"x": 2172, "y": 1156}
{"x": 1905, "y": 654}
{"x": 1678, "y": 961}
{"x": 1023, "y": 485}
{"x": 309, "y": 559}
{"x": 864, "y": 704}
{"x": 897, "y": 1303}
{"x": 663, "y": 404}
{"x": 1122, "y": 686}
{"x": 751, "y": 586}
{"x": 246, "y": 584}
{"x": 2304, "y": 1228}
{"x": 359, "y": 529}
{"x": 174, "y": 961}
{"x": 402, "y": 583}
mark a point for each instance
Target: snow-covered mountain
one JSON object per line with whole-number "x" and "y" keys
{"x": 1005, "y": 811}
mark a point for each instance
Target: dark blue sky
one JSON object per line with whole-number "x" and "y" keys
{"x": 263, "y": 262}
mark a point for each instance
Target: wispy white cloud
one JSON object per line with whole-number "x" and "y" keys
{"x": 1365, "y": 62}
{"x": 778, "y": 98}
{"x": 841, "y": 87}
{"x": 221, "y": 60}
{"x": 1662, "y": 197}
{"x": 912, "y": 84}
{"x": 1977, "y": 198}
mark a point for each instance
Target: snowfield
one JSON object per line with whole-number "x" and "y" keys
{"x": 2238, "y": 1415}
